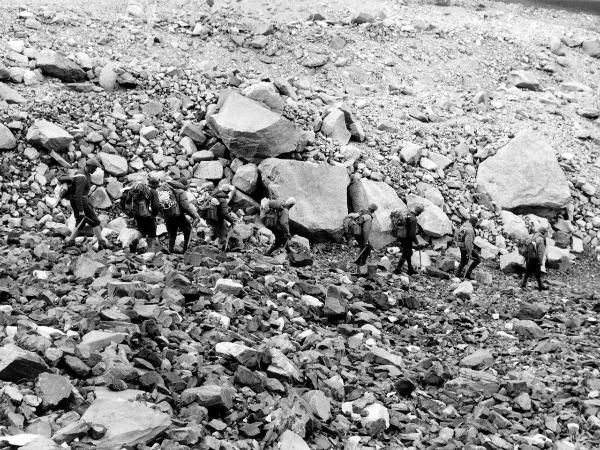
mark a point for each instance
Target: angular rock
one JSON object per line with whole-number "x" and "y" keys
{"x": 319, "y": 403}
{"x": 334, "y": 126}
{"x": 53, "y": 389}
{"x": 97, "y": 340}
{"x": 528, "y": 329}
{"x": 208, "y": 396}
{"x": 335, "y": 306}
{"x": 376, "y": 419}
{"x": 113, "y": 164}
{"x": 46, "y": 135}
{"x": 524, "y": 79}
{"x": 433, "y": 220}
{"x": 464, "y": 290}
{"x": 411, "y": 153}
{"x": 512, "y": 262}
{"x": 266, "y": 93}
{"x": 531, "y": 311}
{"x": 107, "y": 78}
{"x": 514, "y": 226}
{"x": 7, "y": 140}
{"x": 363, "y": 192}
{"x": 246, "y": 178}
{"x": 253, "y": 132}
{"x": 100, "y": 199}
{"x": 56, "y": 65}
{"x": 9, "y": 95}
{"x": 86, "y": 267}
{"x": 320, "y": 192}
{"x": 17, "y": 365}
{"x": 127, "y": 423}
{"x": 591, "y": 47}
{"x": 209, "y": 170}
{"x": 480, "y": 359}
{"x": 524, "y": 176}
{"x": 291, "y": 441}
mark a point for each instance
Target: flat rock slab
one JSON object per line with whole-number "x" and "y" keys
{"x": 48, "y": 136}
{"x": 56, "y": 65}
{"x": 524, "y": 176}
{"x": 17, "y": 364}
{"x": 128, "y": 423}
{"x": 320, "y": 191}
{"x": 253, "y": 132}
{"x": 9, "y": 95}
{"x": 97, "y": 340}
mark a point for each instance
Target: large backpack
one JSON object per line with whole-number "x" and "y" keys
{"x": 459, "y": 237}
{"x": 399, "y": 219}
{"x": 529, "y": 250}
{"x": 67, "y": 186}
{"x": 168, "y": 202}
{"x": 135, "y": 201}
{"x": 207, "y": 210}
{"x": 351, "y": 225}
{"x": 272, "y": 215}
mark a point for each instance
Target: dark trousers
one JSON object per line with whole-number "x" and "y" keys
{"x": 146, "y": 226}
{"x": 464, "y": 259}
{"x": 532, "y": 267}
{"x": 174, "y": 225}
{"x": 91, "y": 218}
{"x": 281, "y": 239}
{"x": 407, "y": 251}
{"x": 365, "y": 251}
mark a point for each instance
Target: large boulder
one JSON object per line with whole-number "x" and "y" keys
{"x": 512, "y": 262}
{"x": 48, "y": 136}
{"x": 113, "y": 164}
{"x": 7, "y": 140}
{"x": 363, "y": 192}
{"x": 320, "y": 191}
{"x": 9, "y": 95}
{"x": 524, "y": 176}
{"x": 433, "y": 220}
{"x": 54, "y": 64}
{"x": 253, "y": 132}
{"x": 246, "y": 178}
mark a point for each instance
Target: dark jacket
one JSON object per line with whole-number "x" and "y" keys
{"x": 540, "y": 243}
{"x": 366, "y": 225}
{"x": 469, "y": 236}
{"x": 82, "y": 184}
{"x": 284, "y": 221}
{"x": 181, "y": 195}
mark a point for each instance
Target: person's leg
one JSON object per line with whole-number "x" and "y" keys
{"x": 186, "y": 227}
{"x": 409, "y": 253}
{"x": 475, "y": 260}
{"x": 94, "y": 221}
{"x": 279, "y": 242}
{"x": 464, "y": 258}
{"x": 151, "y": 234}
{"x": 402, "y": 258}
{"x": 537, "y": 272}
{"x": 172, "y": 228}
{"x": 526, "y": 275}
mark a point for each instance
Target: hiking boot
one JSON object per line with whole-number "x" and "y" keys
{"x": 543, "y": 288}
{"x": 411, "y": 271}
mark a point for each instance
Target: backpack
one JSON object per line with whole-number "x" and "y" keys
{"x": 272, "y": 214}
{"x": 208, "y": 211}
{"x": 399, "y": 221}
{"x": 168, "y": 202}
{"x": 459, "y": 237}
{"x": 135, "y": 201}
{"x": 351, "y": 225}
{"x": 66, "y": 188}
{"x": 529, "y": 250}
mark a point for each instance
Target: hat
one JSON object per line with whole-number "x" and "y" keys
{"x": 372, "y": 207}
{"x": 183, "y": 181}
{"x": 214, "y": 202}
{"x": 419, "y": 208}
{"x": 543, "y": 229}
{"x": 153, "y": 182}
{"x": 92, "y": 162}
{"x": 290, "y": 202}
{"x": 473, "y": 219}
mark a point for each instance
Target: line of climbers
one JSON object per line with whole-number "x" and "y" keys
{"x": 144, "y": 202}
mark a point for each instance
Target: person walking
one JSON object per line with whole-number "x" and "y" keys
{"x": 469, "y": 253}
{"x": 174, "y": 207}
{"x": 140, "y": 201}
{"x": 365, "y": 223}
{"x": 85, "y": 214}
{"x": 534, "y": 252}
{"x": 277, "y": 219}
{"x": 404, "y": 228}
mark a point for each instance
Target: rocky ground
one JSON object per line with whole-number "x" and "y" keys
{"x": 410, "y": 103}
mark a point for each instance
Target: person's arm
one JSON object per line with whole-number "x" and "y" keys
{"x": 541, "y": 249}
{"x": 413, "y": 230}
{"x": 366, "y": 229}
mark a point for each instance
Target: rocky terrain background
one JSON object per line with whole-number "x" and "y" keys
{"x": 338, "y": 104}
